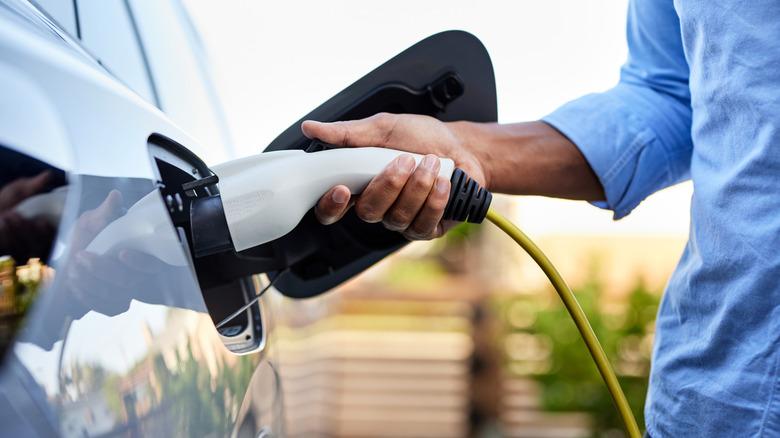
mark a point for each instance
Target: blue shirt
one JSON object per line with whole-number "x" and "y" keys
{"x": 699, "y": 98}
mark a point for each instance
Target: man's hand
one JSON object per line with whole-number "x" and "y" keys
{"x": 404, "y": 198}
{"x": 22, "y": 188}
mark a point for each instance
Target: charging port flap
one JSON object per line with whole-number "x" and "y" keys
{"x": 448, "y": 76}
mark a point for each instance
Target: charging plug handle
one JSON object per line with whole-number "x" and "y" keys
{"x": 265, "y": 196}
{"x": 469, "y": 202}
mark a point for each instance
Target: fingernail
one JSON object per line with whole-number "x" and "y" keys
{"x": 339, "y": 197}
{"x": 430, "y": 162}
{"x": 393, "y": 226}
{"x": 406, "y": 163}
{"x": 442, "y": 185}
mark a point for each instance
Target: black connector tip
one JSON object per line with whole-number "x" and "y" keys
{"x": 469, "y": 202}
{"x": 209, "y": 228}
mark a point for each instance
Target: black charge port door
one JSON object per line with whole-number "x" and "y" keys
{"x": 448, "y": 76}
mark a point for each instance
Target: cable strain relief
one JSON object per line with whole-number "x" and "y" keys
{"x": 469, "y": 202}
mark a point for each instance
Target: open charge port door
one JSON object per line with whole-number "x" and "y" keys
{"x": 448, "y": 76}
{"x": 223, "y": 293}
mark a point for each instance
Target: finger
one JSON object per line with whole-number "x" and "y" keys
{"x": 384, "y": 189}
{"x": 37, "y": 183}
{"x": 427, "y": 224}
{"x": 109, "y": 210}
{"x": 413, "y": 195}
{"x": 448, "y": 225}
{"x": 94, "y": 221}
{"x": 33, "y": 185}
{"x": 23, "y": 188}
{"x": 376, "y": 130}
{"x": 333, "y": 205}
{"x": 111, "y": 207}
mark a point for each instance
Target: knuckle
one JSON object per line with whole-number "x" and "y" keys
{"x": 384, "y": 120}
{"x": 395, "y": 182}
{"x": 422, "y": 181}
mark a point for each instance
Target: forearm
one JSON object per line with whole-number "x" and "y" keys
{"x": 530, "y": 158}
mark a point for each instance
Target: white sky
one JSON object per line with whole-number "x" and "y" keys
{"x": 275, "y": 61}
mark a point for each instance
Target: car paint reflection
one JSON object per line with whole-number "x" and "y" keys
{"x": 119, "y": 342}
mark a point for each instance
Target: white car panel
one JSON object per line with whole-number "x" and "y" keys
{"x": 119, "y": 119}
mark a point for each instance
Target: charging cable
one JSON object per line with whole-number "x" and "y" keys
{"x": 256, "y": 204}
{"x": 580, "y": 320}
{"x": 251, "y": 302}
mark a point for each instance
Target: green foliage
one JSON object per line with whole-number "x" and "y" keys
{"x": 458, "y": 235}
{"x": 571, "y": 381}
{"x": 414, "y": 274}
{"x": 195, "y": 405}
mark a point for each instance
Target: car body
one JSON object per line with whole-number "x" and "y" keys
{"x": 106, "y": 109}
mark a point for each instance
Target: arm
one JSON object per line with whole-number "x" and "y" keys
{"x": 615, "y": 148}
{"x": 550, "y": 164}
{"x": 524, "y": 158}
{"x": 636, "y": 136}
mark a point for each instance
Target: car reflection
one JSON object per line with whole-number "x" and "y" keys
{"x": 102, "y": 323}
{"x": 25, "y": 240}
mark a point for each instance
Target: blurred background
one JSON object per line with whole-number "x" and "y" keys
{"x": 461, "y": 336}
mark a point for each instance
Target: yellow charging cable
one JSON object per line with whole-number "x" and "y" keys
{"x": 580, "y": 320}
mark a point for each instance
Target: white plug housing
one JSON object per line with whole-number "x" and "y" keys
{"x": 265, "y": 196}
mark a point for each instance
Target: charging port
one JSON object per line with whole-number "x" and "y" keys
{"x": 185, "y": 182}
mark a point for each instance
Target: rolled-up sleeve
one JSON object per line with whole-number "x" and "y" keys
{"x": 637, "y": 135}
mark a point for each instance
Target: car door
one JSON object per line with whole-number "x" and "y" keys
{"x": 104, "y": 327}
{"x": 120, "y": 335}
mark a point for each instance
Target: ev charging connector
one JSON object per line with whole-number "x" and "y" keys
{"x": 263, "y": 197}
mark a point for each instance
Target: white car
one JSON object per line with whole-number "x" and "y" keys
{"x": 108, "y": 124}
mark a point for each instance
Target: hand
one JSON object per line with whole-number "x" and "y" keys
{"x": 22, "y": 188}
{"x": 106, "y": 282}
{"x": 404, "y": 198}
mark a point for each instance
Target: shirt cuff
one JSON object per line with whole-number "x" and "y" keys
{"x": 615, "y": 142}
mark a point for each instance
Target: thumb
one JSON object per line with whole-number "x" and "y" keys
{"x": 372, "y": 131}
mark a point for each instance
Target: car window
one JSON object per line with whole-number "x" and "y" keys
{"x": 108, "y": 31}
{"x": 63, "y": 12}
{"x": 25, "y": 12}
